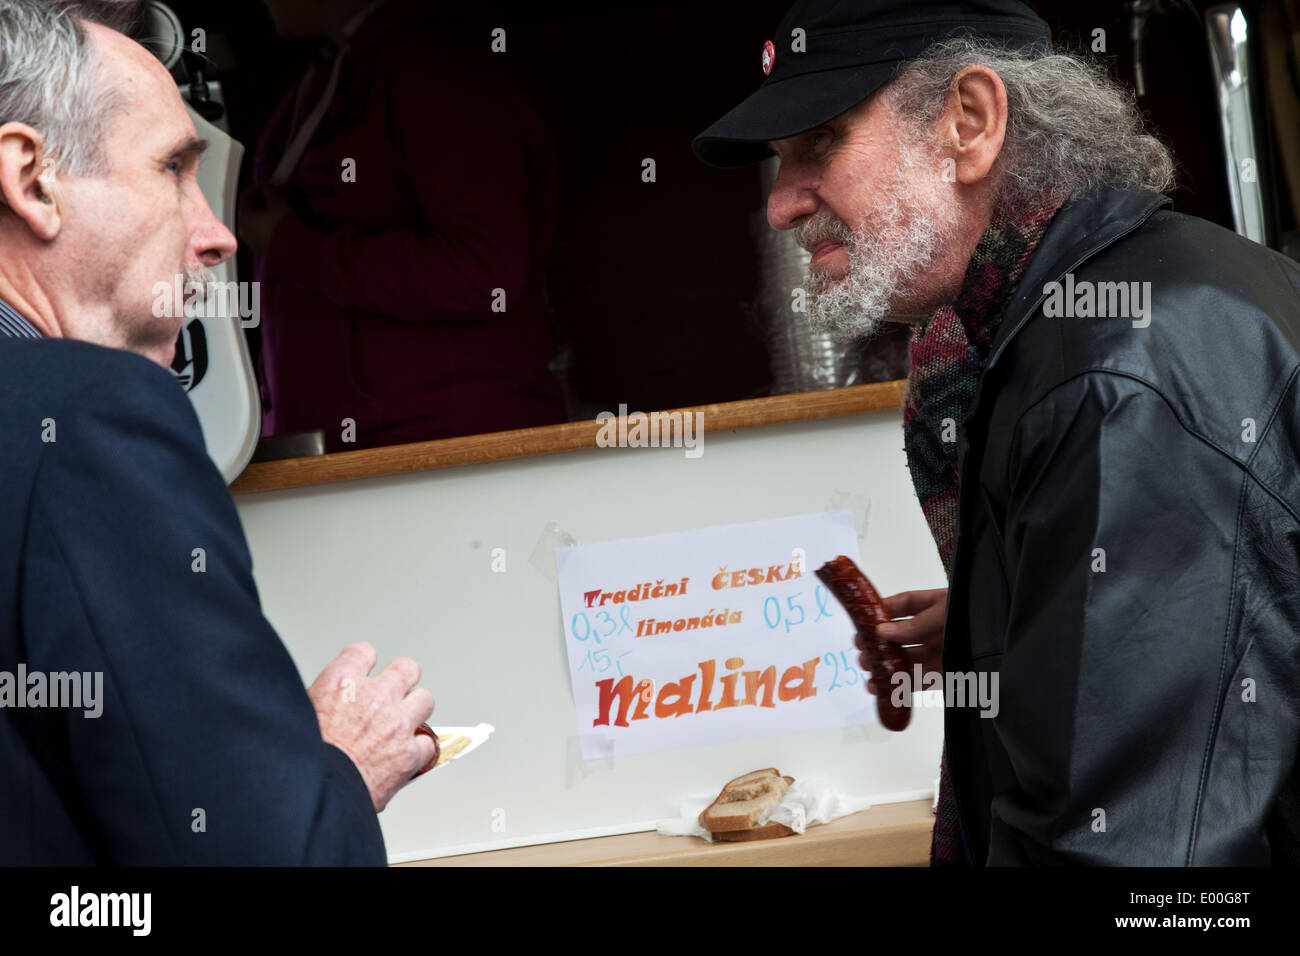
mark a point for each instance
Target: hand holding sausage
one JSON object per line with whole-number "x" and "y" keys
{"x": 927, "y": 611}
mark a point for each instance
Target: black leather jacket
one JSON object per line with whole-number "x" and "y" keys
{"x": 1128, "y": 556}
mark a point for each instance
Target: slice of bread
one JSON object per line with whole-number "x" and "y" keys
{"x": 749, "y": 786}
{"x": 743, "y": 802}
{"x": 765, "y": 832}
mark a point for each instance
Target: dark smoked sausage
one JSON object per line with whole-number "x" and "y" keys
{"x": 884, "y": 658}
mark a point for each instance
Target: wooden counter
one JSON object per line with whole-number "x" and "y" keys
{"x": 892, "y": 834}
{"x": 551, "y": 439}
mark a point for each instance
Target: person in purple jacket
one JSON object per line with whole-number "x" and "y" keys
{"x": 401, "y": 209}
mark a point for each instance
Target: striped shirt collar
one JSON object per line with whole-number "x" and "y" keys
{"x": 14, "y": 325}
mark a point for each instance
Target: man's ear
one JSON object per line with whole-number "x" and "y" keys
{"x": 28, "y": 186}
{"x": 975, "y": 122}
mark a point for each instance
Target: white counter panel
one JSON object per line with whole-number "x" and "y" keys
{"x": 406, "y": 563}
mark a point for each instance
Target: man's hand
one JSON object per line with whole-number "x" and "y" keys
{"x": 261, "y": 209}
{"x": 373, "y": 720}
{"x": 924, "y": 629}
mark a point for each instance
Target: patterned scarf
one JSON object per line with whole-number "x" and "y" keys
{"x": 947, "y": 353}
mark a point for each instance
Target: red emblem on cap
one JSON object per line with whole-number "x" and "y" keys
{"x": 769, "y": 58}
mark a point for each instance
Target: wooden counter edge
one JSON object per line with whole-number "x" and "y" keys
{"x": 890, "y": 834}
{"x": 551, "y": 439}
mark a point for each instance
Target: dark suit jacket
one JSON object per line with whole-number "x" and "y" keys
{"x": 207, "y": 750}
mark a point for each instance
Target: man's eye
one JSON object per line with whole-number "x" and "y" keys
{"x": 819, "y": 139}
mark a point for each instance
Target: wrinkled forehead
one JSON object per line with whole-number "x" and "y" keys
{"x": 150, "y": 113}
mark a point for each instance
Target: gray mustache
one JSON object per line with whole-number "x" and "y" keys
{"x": 816, "y": 231}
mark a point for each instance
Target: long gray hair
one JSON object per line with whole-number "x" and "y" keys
{"x": 1071, "y": 128}
{"x": 49, "y": 79}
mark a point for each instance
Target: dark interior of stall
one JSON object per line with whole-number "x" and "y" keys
{"x": 651, "y": 286}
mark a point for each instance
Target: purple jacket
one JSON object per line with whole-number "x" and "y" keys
{"x": 378, "y": 294}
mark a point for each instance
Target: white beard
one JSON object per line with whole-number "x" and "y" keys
{"x": 914, "y": 222}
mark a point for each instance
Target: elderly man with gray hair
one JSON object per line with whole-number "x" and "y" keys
{"x": 124, "y": 573}
{"x": 1102, "y": 425}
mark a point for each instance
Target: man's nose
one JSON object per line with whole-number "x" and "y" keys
{"x": 792, "y": 198}
{"x": 213, "y": 242}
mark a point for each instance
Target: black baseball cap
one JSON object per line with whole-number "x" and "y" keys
{"x": 829, "y": 55}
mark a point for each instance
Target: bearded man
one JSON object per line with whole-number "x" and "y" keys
{"x": 1102, "y": 424}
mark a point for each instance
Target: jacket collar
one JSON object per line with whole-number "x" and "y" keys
{"x": 1079, "y": 231}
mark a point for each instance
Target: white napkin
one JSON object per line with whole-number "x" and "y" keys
{"x": 806, "y": 803}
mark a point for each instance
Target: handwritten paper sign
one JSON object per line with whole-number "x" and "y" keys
{"x": 701, "y": 637}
